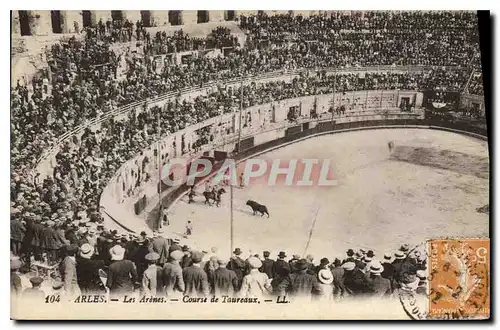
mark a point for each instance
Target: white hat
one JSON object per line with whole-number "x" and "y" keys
{"x": 421, "y": 274}
{"x": 376, "y": 268}
{"x": 325, "y": 276}
{"x": 349, "y": 265}
{"x": 254, "y": 262}
{"x": 399, "y": 255}
{"x": 117, "y": 252}
{"x": 86, "y": 251}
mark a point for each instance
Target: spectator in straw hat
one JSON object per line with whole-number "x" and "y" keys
{"x": 388, "y": 272}
{"x": 87, "y": 270}
{"x": 209, "y": 267}
{"x": 68, "y": 271}
{"x": 325, "y": 286}
{"x": 175, "y": 245}
{"x": 152, "y": 277}
{"x": 122, "y": 274}
{"x": 355, "y": 282}
{"x": 35, "y": 292}
{"x": 302, "y": 284}
{"x": 380, "y": 287}
{"x": 398, "y": 263}
{"x": 225, "y": 281}
{"x": 15, "y": 280}
{"x": 173, "y": 280}
{"x": 255, "y": 284}
{"x": 195, "y": 278}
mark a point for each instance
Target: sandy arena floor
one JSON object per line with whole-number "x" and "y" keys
{"x": 379, "y": 203}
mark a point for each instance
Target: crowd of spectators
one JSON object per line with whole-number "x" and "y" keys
{"x": 97, "y": 261}
{"x": 83, "y": 82}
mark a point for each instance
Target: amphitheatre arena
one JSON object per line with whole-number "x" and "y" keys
{"x": 404, "y": 194}
{"x": 103, "y": 100}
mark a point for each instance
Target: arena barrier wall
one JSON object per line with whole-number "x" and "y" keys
{"x": 47, "y": 161}
{"x": 259, "y": 125}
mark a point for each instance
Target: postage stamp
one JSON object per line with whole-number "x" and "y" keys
{"x": 459, "y": 278}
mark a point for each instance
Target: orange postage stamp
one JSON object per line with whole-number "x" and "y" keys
{"x": 459, "y": 279}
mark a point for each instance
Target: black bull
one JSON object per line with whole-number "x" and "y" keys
{"x": 256, "y": 207}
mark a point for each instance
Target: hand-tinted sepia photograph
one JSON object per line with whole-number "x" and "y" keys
{"x": 250, "y": 164}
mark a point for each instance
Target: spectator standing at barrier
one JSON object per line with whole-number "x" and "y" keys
{"x": 267, "y": 265}
{"x": 325, "y": 286}
{"x": 17, "y": 231}
{"x": 195, "y": 278}
{"x": 160, "y": 245}
{"x": 152, "y": 277}
{"x": 225, "y": 281}
{"x": 87, "y": 270}
{"x": 122, "y": 274}
{"x": 68, "y": 272}
{"x": 173, "y": 280}
{"x": 302, "y": 284}
{"x": 255, "y": 284}
{"x": 237, "y": 265}
{"x": 281, "y": 264}
{"x": 380, "y": 287}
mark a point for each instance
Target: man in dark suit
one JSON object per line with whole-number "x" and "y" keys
{"x": 87, "y": 270}
{"x": 186, "y": 260}
{"x": 17, "y": 231}
{"x": 350, "y": 256}
{"x": 122, "y": 274}
{"x": 195, "y": 278}
{"x": 237, "y": 265}
{"x": 173, "y": 280}
{"x": 302, "y": 284}
{"x": 160, "y": 245}
{"x": 380, "y": 287}
{"x": 267, "y": 265}
{"x": 281, "y": 266}
{"x": 355, "y": 281}
{"x": 388, "y": 272}
{"x": 36, "y": 243}
{"x": 338, "y": 278}
{"x": 225, "y": 281}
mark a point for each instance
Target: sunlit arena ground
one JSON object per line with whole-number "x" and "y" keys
{"x": 430, "y": 186}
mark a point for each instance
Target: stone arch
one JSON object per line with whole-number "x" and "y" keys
{"x": 203, "y": 16}
{"x": 24, "y": 22}
{"x": 117, "y": 15}
{"x": 229, "y": 15}
{"x": 88, "y": 19}
{"x": 174, "y": 17}
{"x": 146, "y": 18}
{"x": 57, "y": 21}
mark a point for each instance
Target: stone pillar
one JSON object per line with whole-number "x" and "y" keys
{"x": 216, "y": 16}
{"x": 189, "y": 17}
{"x": 69, "y": 18}
{"x": 15, "y": 23}
{"x": 159, "y": 18}
{"x": 40, "y": 22}
{"x": 132, "y": 15}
